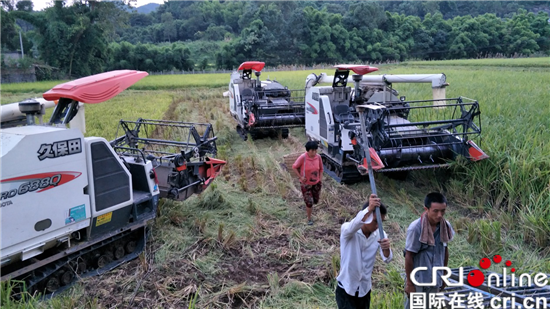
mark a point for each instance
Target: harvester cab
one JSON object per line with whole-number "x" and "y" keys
{"x": 371, "y": 119}
{"x": 262, "y": 108}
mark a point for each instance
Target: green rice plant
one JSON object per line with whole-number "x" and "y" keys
{"x": 36, "y": 87}
{"x": 226, "y": 241}
{"x": 243, "y": 184}
{"x": 335, "y": 266}
{"x": 392, "y": 300}
{"x": 392, "y": 279}
{"x": 13, "y": 294}
{"x": 212, "y": 198}
{"x": 536, "y": 222}
{"x": 534, "y": 62}
{"x": 297, "y": 239}
{"x": 193, "y": 300}
{"x": 201, "y": 223}
{"x": 486, "y": 234}
{"x": 220, "y": 232}
{"x": 273, "y": 280}
{"x": 300, "y": 295}
{"x": 251, "y": 207}
{"x": 240, "y": 165}
{"x": 461, "y": 224}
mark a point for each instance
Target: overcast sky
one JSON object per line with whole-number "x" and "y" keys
{"x": 39, "y": 5}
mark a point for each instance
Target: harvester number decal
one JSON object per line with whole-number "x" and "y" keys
{"x": 59, "y": 149}
{"x": 40, "y": 182}
{"x": 105, "y": 218}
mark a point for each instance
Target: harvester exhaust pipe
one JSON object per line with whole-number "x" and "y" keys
{"x": 30, "y": 108}
{"x": 258, "y": 82}
{"x": 357, "y": 79}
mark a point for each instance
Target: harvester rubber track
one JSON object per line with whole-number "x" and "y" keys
{"x": 261, "y": 132}
{"x": 54, "y": 275}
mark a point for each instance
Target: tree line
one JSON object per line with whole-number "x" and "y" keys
{"x": 88, "y": 37}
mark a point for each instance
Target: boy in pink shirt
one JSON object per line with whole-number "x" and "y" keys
{"x": 309, "y": 169}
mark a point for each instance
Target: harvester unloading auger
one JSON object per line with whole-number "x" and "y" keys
{"x": 403, "y": 135}
{"x": 263, "y": 107}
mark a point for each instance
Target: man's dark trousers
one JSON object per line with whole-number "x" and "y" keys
{"x": 346, "y": 301}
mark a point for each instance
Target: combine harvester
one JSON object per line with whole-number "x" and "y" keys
{"x": 403, "y": 135}
{"x": 262, "y": 108}
{"x": 75, "y": 206}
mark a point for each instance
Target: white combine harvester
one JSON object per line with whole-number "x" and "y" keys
{"x": 371, "y": 119}
{"x": 262, "y": 108}
{"x": 73, "y": 206}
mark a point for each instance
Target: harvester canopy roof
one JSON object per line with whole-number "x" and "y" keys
{"x": 252, "y": 65}
{"x": 95, "y": 88}
{"x": 357, "y": 68}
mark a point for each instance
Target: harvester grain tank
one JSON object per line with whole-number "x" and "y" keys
{"x": 73, "y": 205}
{"x": 262, "y": 108}
{"x": 403, "y": 135}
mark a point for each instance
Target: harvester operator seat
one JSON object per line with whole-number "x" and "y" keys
{"x": 342, "y": 113}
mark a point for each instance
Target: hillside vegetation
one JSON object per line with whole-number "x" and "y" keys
{"x": 88, "y": 37}
{"x": 244, "y": 243}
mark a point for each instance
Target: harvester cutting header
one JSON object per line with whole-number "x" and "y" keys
{"x": 262, "y": 107}
{"x": 402, "y": 135}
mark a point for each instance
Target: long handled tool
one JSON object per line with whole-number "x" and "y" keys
{"x": 366, "y": 147}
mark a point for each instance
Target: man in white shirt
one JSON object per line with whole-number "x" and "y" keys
{"x": 359, "y": 242}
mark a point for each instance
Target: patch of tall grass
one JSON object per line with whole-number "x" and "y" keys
{"x": 515, "y": 118}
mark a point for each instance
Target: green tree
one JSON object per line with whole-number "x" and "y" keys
{"x": 520, "y": 38}
{"x": 169, "y": 27}
{"x": 440, "y": 30}
{"x": 181, "y": 56}
{"x": 470, "y": 38}
{"x": 10, "y": 34}
{"x": 539, "y": 24}
{"x": 75, "y": 38}
{"x": 203, "y": 65}
{"x": 24, "y": 5}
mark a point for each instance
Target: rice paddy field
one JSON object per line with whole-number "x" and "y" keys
{"x": 244, "y": 243}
